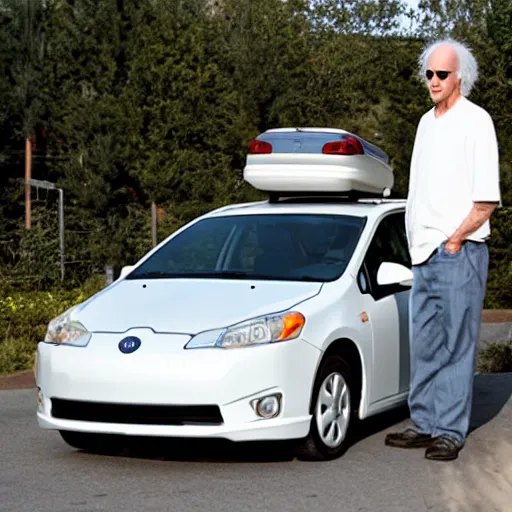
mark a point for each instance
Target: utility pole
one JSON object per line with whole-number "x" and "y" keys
{"x": 28, "y": 177}
{"x": 153, "y": 224}
{"x": 51, "y": 186}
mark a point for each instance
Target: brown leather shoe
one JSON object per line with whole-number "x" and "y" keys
{"x": 443, "y": 448}
{"x": 409, "y": 438}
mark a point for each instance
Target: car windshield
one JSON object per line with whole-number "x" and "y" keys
{"x": 272, "y": 247}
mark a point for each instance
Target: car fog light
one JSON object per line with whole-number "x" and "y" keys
{"x": 268, "y": 406}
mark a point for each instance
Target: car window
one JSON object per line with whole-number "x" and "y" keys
{"x": 199, "y": 250}
{"x": 389, "y": 243}
{"x": 284, "y": 247}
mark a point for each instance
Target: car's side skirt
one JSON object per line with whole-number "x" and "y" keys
{"x": 385, "y": 405}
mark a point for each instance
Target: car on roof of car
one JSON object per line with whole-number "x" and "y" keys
{"x": 281, "y": 319}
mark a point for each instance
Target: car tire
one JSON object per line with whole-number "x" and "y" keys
{"x": 332, "y": 405}
{"x": 96, "y": 443}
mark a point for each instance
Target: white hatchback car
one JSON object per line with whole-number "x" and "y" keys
{"x": 273, "y": 320}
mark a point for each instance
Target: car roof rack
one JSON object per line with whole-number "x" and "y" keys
{"x": 352, "y": 196}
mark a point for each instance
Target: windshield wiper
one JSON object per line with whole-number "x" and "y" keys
{"x": 309, "y": 279}
{"x": 220, "y": 274}
{"x": 153, "y": 275}
{"x": 232, "y": 274}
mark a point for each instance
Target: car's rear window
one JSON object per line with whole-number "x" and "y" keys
{"x": 275, "y": 247}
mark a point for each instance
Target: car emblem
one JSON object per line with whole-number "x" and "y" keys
{"x": 129, "y": 345}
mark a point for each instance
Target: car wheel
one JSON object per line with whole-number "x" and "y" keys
{"x": 332, "y": 412}
{"x": 97, "y": 443}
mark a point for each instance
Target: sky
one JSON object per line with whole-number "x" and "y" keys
{"x": 412, "y": 3}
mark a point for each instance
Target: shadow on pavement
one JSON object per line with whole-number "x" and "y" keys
{"x": 223, "y": 451}
{"x": 491, "y": 392}
{"x": 379, "y": 422}
{"x": 199, "y": 450}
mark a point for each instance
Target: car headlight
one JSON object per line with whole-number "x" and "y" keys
{"x": 64, "y": 331}
{"x": 258, "y": 331}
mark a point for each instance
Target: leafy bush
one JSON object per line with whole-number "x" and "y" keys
{"x": 16, "y": 354}
{"x": 24, "y": 317}
{"x": 495, "y": 358}
{"x": 499, "y": 284}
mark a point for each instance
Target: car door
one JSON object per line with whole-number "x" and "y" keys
{"x": 387, "y": 309}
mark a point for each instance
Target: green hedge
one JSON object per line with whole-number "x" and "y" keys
{"x": 499, "y": 284}
{"x": 24, "y": 317}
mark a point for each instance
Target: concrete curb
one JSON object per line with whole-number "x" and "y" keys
{"x": 492, "y": 333}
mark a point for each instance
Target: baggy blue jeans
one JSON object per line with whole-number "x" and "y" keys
{"x": 446, "y": 303}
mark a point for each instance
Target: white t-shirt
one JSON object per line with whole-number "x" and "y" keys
{"x": 454, "y": 164}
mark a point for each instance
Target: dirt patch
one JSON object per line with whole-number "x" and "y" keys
{"x": 23, "y": 380}
{"x": 496, "y": 316}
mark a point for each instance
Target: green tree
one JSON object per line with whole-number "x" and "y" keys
{"x": 85, "y": 77}
{"x": 23, "y": 22}
{"x": 155, "y": 101}
{"x": 187, "y": 122}
{"x": 362, "y": 17}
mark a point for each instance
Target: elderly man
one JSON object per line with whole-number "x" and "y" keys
{"x": 454, "y": 188}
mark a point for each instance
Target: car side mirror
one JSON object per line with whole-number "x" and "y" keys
{"x": 126, "y": 270}
{"x": 394, "y": 273}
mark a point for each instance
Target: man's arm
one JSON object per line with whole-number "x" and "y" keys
{"x": 480, "y": 213}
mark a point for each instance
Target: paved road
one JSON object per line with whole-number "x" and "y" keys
{"x": 39, "y": 473}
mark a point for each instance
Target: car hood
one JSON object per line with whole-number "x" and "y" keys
{"x": 187, "y": 305}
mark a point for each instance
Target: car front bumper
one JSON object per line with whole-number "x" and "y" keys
{"x": 162, "y": 374}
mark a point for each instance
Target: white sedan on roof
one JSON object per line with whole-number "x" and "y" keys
{"x": 274, "y": 320}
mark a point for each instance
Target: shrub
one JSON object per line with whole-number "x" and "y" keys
{"x": 495, "y": 358}
{"x": 16, "y": 354}
{"x": 24, "y": 317}
{"x": 499, "y": 284}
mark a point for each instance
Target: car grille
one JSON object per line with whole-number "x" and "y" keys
{"x": 136, "y": 413}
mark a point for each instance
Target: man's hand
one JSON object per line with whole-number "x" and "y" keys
{"x": 453, "y": 246}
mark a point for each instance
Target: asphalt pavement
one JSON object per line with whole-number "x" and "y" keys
{"x": 40, "y": 473}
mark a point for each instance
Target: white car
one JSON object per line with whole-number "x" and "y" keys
{"x": 274, "y": 320}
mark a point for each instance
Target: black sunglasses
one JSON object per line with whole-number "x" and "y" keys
{"x": 442, "y": 75}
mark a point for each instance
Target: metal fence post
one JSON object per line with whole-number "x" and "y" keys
{"x": 61, "y": 232}
{"x": 48, "y": 185}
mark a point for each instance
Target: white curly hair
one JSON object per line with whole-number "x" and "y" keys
{"x": 468, "y": 67}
